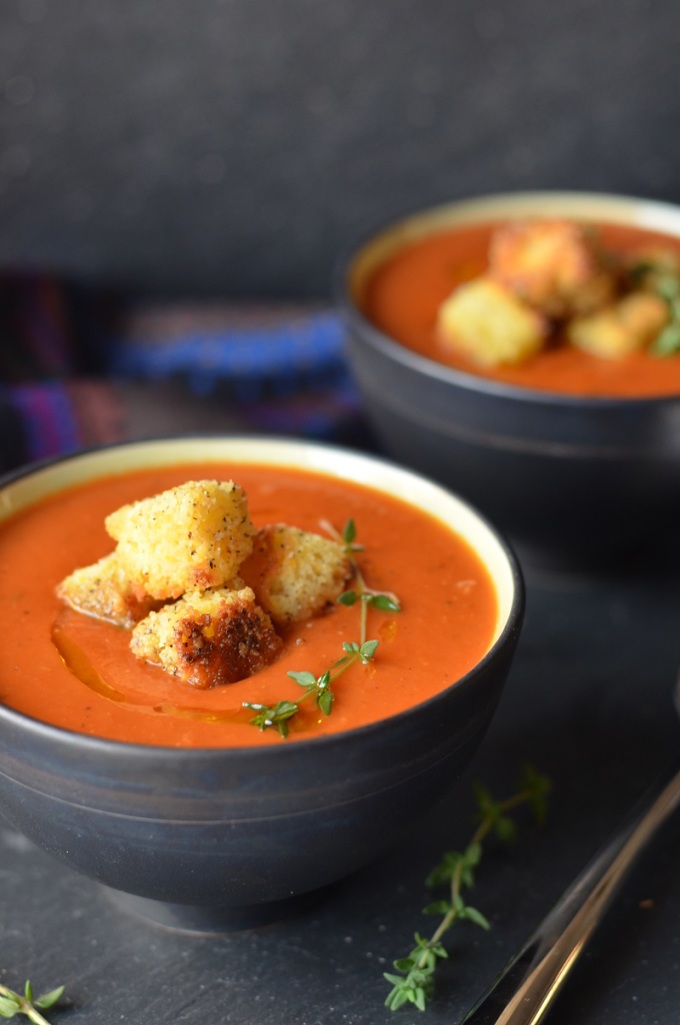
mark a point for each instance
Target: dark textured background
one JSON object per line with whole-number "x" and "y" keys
{"x": 233, "y": 147}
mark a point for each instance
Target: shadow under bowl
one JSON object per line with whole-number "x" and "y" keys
{"x": 577, "y": 483}
{"x": 215, "y": 839}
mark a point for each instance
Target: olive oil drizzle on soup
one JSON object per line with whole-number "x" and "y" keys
{"x": 74, "y": 671}
{"x": 404, "y": 293}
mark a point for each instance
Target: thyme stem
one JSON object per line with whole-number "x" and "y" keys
{"x": 482, "y": 831}
{"x": 415, "y": 981}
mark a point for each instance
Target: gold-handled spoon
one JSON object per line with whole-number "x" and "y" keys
{"x": 529, "y": 983}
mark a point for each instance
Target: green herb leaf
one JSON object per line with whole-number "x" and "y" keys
{"x": 368, "y": 650}
{"x": 667, "y": 286}
{"x": 8, "y": 1007}
{"x": 384, "y": 602}
{"x": 437, "y": 907}
{"x": 473, "y": 915}
{"x": 304, "y": 679}
{"x": 505, "y": 829}
{"x": 275, "y": 717}
{"x": 537, "y": 788}
{"x": 442, "y": 873}
{"x": 49, "y": 999}
{"x": 325, "y": 701}
{"x": 667, "y": 342}
{"x": 349, "y": 532}
{"x": 473, "y": 854}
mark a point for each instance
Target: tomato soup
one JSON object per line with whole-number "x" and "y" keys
{"x": 403, "y": 294}
{"x": 77, "y": 672}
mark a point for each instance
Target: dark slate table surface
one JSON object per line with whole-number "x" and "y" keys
{"x": 588, "y": 701}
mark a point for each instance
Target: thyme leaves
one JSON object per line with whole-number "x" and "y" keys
{"x": 12, "y": 1003}
{"x": 412, "y": 982}
{"x": 320, "y": 688}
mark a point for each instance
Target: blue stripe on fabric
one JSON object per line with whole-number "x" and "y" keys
{"x": 311, "y": 349}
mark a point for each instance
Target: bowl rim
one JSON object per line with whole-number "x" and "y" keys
{"x": 413, "y": 361}
{"x": 91, "y": 744}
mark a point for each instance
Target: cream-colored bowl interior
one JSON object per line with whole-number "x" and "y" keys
{"x": 342, "y": 464}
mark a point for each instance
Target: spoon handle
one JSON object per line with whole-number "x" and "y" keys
{"x": 532, "y": 978}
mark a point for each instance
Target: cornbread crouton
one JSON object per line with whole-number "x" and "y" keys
{"x": 552, "y": 265}
{"x": 103, "y": 590}
{"x": 484, "y": 322}
{"x": 208, "y": 638}
{"x": 628, "y": 325}
{"x": 295, "y": 573}
{"x": 191, "y": 537}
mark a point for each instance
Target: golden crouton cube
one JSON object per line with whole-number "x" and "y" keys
{"x": 628, "y": 325}
{"x": 104, "y": 591}
{"x": 553, "y": 265}
{"x": 208, "y": 638}
{"x": 295, "y": 574}
{"x": 485, "y": 323}
{"x": 191, "y": 537}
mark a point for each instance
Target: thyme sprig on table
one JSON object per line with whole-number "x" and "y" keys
{"x": 414, "y": 982}
{"x": 12, "y": 1003}
{"x": 320, "y": 688}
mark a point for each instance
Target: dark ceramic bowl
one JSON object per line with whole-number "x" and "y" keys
{"x": 576, "y": 483}
{"x": 213, "y": 838}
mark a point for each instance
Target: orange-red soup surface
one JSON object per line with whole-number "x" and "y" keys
{"x": 97, "y": 686}
{"x": 403, "y": 294}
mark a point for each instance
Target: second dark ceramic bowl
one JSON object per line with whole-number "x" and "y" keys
{"x": 576, "y": 483}
{"x": 225, "y": 838}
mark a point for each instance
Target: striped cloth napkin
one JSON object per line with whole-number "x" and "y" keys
{"x": 280, "y": 367}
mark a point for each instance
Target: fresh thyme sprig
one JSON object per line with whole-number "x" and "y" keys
{"x": 415, "y": 982}
{"x": 12, "y": 1003}
{"x": 665, "y": 282}
{"x": 320, "y": 688}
